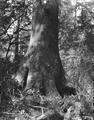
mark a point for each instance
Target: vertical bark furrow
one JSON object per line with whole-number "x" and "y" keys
{"x": 45, "y": 71}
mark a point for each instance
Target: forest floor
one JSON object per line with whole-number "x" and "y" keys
{"x": 33, "y": 106}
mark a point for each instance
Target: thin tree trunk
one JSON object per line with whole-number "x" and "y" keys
{"x": 17, "y": 46}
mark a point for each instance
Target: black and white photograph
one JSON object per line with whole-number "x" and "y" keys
{"x": 46, "y": 59}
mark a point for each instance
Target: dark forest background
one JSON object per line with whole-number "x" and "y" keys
{"x": 76, "y": 50}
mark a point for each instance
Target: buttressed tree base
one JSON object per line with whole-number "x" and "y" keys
{"x": 42, "y": 69}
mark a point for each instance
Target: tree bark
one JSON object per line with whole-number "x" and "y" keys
{"x": 42, "y": 61}
{"x": 42, "y": 69}
{"x": 17, "y": 45}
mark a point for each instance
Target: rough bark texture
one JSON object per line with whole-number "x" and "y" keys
{"x": 42, "y": 61}
{"x": 42, "y": 69}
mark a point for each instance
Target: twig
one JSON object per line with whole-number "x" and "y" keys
{"x": 40, "y": 107}
{"x": 45, "y": 115}
{"x": 8, "y": 113}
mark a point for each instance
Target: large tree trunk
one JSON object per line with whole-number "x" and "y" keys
{"x": 42, "y": 68}
{"x": 42, "y": 60}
